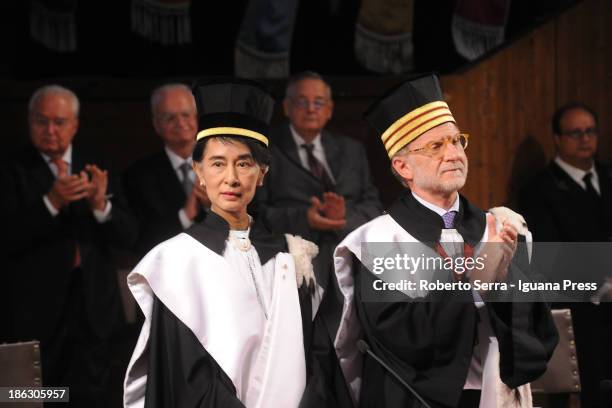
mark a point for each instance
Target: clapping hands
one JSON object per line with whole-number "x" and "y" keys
{"x": 329, "y": 214}
{"x": 91, "y": 184}
{"x": 497, "y": 252}
{"x": 196, "y": 200}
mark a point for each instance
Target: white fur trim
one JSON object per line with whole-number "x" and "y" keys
{"x": 303, "y": 252}
{"x": 504, "y": 214}
{"x": 515, "y": 219}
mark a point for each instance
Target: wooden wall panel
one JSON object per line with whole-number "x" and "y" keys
{"x": 506, "y": 101}
{"x": 584, "y": 62}
{"x": 501, "y": 103}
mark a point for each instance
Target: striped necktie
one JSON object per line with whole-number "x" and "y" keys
{"x": 317, "y": 169}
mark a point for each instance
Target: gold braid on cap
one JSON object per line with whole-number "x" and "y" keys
{"x": 414, "y": 124}
{"x": 217, "y": 131}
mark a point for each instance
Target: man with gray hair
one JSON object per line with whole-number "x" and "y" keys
{"x": 62, "y": 211}
{"x": 160, "y": 187}
{"x": 449, "y": 347}
{"x": 319, "y": 185}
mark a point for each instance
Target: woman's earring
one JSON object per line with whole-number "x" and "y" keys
{"x": 201, "y": 184}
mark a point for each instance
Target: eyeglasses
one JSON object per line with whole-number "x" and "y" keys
{"x": 42, "y": 121}
{"x": 172, "y": 118}
{"x": 303, "y": 103}
{"x": 578, "y": 133}
{"x": 436, "y": 147}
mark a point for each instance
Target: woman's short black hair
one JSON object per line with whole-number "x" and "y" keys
{"x": 260, "y": 152}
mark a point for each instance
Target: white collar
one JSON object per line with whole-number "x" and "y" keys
{"x": 240, "y": 234}
{"x": 299, "y": 140}
{"x": 240, "y": 238}
{"x": 438, "y": 210}
{"x": 67, "y": 157}
{"x": 574, "y": 172}
{"x": 176, "y": 160}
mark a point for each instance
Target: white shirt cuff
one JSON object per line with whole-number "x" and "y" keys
{"x": 104, "y": 215}
{"x": 54, "y": 211}
{"x": 185, "y": 221}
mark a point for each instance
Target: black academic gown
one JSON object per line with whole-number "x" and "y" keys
{"x": 182, "y": 374}
{"x": 429, "y": 342}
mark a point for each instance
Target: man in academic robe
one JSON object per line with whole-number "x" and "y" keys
{"x": 160, "y": 187}
{"x": 62, "y": 211}
{"x": 454, "y": 347}
{"x": 569, "y": 201}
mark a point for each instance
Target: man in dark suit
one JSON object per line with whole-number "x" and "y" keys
{"x": 569, "y": 201}
{"x": 61, "y": 211}
{"x": 160, "y": 187}
{"x": 319, "y": 184}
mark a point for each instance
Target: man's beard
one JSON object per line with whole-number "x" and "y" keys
{"x": 433, "y": 183}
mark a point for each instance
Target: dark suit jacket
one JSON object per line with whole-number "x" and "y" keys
{"x": 156, "y": 195}
{"x": 285, "y": 196}
{"x": 557, "y": 209}
{"x": 40, "y": 249}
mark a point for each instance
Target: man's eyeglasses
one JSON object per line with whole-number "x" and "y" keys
{"x": 303, "y": 103}
{"x": 436, "y": 147}
{"x": 42, "y": 121}
{"x": 579, "y": 133}
{"x": 172, "y": 118}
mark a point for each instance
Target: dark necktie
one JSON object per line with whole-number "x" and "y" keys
{"x": 449, "y": 219}
{"x": 317, "y": 169}
{"x": 187, "y": 184}
{"x": 589, "y": 186}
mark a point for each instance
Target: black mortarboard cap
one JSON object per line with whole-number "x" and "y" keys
{"x": 407, "y": 111}
{"x": 233, "y": 107}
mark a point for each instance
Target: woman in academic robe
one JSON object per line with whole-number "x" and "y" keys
{"x": 228, "y": 306}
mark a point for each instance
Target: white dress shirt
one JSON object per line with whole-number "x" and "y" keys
{"x": 438, "y": 210}
{"x": 577, "y": 174}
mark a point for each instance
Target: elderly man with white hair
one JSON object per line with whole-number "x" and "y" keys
{"x": 160, "y": 187}
{"x": 61, "y": 212}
